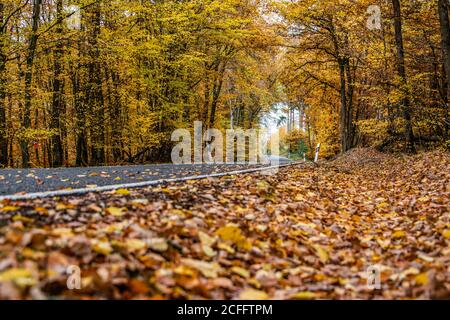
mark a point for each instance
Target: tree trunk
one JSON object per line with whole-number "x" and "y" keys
{"x": 94, "y": 94}
{"x": 215, "y": 98}
{"x": 3, "y": 138}
{"x": 32, "y": 44}
{"x": 56, "y": 148}
{"x": 445, "y": 43}
{"x": 115, "y": 117}
{"x": 350, "y": 90}
{"x": 343, "y": 113}
{"x": 401, "y": 70}
{"x": 80, "y": 122}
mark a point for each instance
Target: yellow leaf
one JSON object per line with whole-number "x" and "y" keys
{"x": 41, "y": 210}
{"x": 399, "y": 234}
{"x": 184, "y": 271}
{"x": 321, "y": 253}
{"x": 384, "y": 243}
{"x": 116, "y": 212}
{"x": 62, "y": 232}
{"x": 304, "y": 295}
{"x": 241, "y": 271}
{"x": 252, "y": 294}
{"x": 32, "y": 254}
{"x": 123, "y": 192}
{"x": 113, "y": 228}
{"x": 207, "y": 269}
{"x": 135, "y": 244}
{"x": 422, "y": 279}
{"x": 382, "y": 205}
{"x": 63, "y": 206}
{"x": 9, "y": 209}
{"x": 21, "y": 277}
{"x": 102, "y": 247}
{"x": 60, "y": 207}
{"x": 207, "y": 242}
{"x": 446, "y": 234}
{"x": 205, "y": 239}
{"x": 22, "y": 218}
{"x": 227, "y": 248}
{"x": 229, "y": 233}
{"x": 233, "y": 234}
{"x": 178, "y": 213}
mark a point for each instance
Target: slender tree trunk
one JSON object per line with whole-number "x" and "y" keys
{"x": 56, "y": 155}
{"x": 401, "y": 70}
{"x": 32, "y": 44}
{"x": 445, "y": 43}
{"x": 349, "y": 116}
{"x": 81, "y": 147}
{"x": 94, "y": 94}
{"x": 80, "y": 122}
{"x": 3, "y": 138}
{"x": 343, "y": 113}
{"x": 207, "y": 95}
{"x": 116, "y": 117}
{"x": 342, "y": 61}
{"x": 215, "y": 99}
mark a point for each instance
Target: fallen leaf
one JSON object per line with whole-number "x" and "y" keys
{"x": 304, "y": 295}
{"x": 422, "y": 279}
{"x": 21, "y": 277}
{"x": 252, "y": 294}
{"x": 102, "y": 247}
{"x": 158, "y": 244}
{"x": 9, "y": 209}
{"x": 241, "y": 271}
{"x": 233, "y": 234}
{"x": 208, "y": 269}
{"x": 398, "y": 234}
{"x": 116, "y": 212}
{"x": 123, "y": 192}
{"x": 321, "y": 253}
{"x": 135, "y": 244}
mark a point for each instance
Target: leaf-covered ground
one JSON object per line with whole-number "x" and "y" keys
{"x": 305, "y": 233}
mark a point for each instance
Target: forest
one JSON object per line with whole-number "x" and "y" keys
{"x": 354, "y": 206}
{"x": 92, "y": 82}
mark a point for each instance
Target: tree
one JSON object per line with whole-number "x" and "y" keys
{"x": 55, "y": 154}
{"x": 401, "y": 70}
{"x": 93, "y": 93}
{"x": 3, "y": 140}
{"x": 30, "y": 56}
{"x": 321, "y": 36}
{"x": 445, "y": 43}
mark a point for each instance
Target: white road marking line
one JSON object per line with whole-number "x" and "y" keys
{"x": 62, "y": 193}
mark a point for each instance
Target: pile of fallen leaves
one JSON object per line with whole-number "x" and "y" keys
{"x": 304, "y": 233}
{"x": 360, "y": 157}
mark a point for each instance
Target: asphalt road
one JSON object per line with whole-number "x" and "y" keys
{"x": 21, "y": 181}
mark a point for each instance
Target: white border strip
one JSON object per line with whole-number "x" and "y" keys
{"x": 62, "y": 193}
